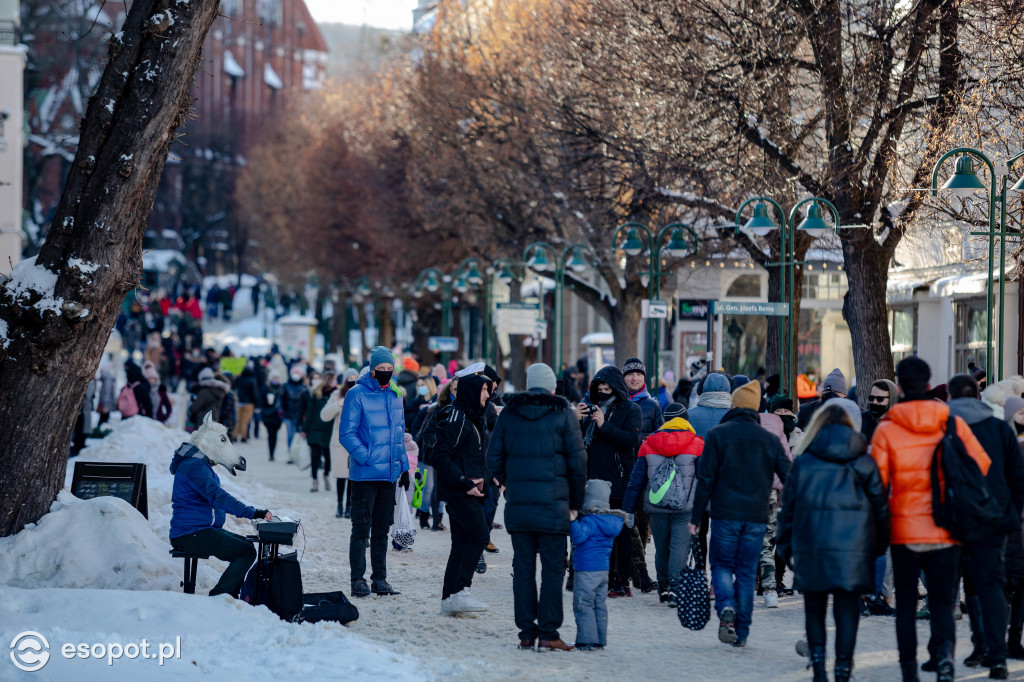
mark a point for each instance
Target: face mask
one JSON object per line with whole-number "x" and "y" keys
{"x": 422, "y": 390}
{"x": 296, "y": 377}
{"x": 788, "y": 423}
{"x": 383, "y": 378}
{"x": 877, "y": 410}
{"x": 810, "y": 377}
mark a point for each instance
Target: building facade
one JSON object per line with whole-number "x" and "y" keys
{"x": 12, "y": 67}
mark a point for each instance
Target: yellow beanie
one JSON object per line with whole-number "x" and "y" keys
{"x": 747, "y": 396}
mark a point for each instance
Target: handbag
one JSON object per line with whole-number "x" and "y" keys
{"x": 404, "y": 533}
{"x": 693, "y": 601}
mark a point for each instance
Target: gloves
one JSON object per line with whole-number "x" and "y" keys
{"x": 260, "y": 514}
{"x": 404, "y": 480}
{"x": 630, "y": 520}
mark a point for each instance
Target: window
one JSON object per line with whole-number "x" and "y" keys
{"x": 903, "y": 332}
{"x": 745, "y": 286}
{"x": 971, "y": 330}
{"x": 825, "y": 287}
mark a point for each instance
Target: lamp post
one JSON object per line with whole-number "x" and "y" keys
{"x": 433, "y": 280}
{"x": 814, "y": 224}
{"x": 473, "y": 273}
{"x": 963, "y": 183}
{"x": 677, "y": 246}
{"x": 570, "y": 257}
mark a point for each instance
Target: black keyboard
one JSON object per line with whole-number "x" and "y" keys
{"x": 281, "y": 530}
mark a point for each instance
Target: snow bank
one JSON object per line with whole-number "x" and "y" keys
{"x": 221, "y": 639}
{"x": 103, "y": 543}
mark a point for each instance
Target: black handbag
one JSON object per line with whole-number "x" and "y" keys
{"x": 693, "y": 600}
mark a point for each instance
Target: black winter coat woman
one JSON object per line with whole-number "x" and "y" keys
{"x": 458, "y": 454}
{"x": 611, "y": 446}
{"x": 835, "y": 514}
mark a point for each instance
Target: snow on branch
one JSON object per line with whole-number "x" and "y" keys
{"x": 697, "y": 201}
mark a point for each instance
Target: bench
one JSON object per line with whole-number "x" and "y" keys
{"x": 191, "y": 566}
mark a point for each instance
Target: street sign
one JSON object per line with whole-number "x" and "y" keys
{"x": 517, "y": 318}
{"x": 771, "y": 309}
{"x": 443, "y": 344}
{"x": 657, "y": 310}
{"x": 541, "y": 329}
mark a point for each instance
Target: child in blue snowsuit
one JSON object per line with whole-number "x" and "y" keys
{"x": 592, "y": 536}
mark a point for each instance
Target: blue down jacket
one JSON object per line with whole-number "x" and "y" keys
{"x": 197, "y": 500}
{"x": 372, "y": 430}
{"x": 592, "y": 536}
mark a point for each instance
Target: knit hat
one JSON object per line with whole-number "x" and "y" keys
{"x": 716, "y": 382}
{"x": 781, "y": 402}
{"x": 739, "y": 380}
{"x": 634, "y": 365}
{"x": 597, "y": 493}
{"x": 673, "y": 410}
{"x": 1012, "y": 406}
{"x": 539, "y": 375}
{"x": 381, "y": 355}
{"x": 349, "y": 374}
{"x": 852, "y": 409}
{"x": 835, "y": 382}
{"x": 149, "y": 371}
{"x": 747, "y": 396}
{"x": 475, "y": 368}
{"x": 206, "y": 374}
{"x": 411, "y": 365}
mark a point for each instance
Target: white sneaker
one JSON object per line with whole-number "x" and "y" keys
{"x": 771, "y": 599}
{"x": 463, "y": 602}
{"x": 446, "y": 607}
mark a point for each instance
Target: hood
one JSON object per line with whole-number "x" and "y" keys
{"x": 133, "y": 373}
{"x": 1012, "y": 406}
{"x": 920, "y": 416}
{"x": 468, "y": 399}
{"x": 894, "y": 392}
{"x": 741, "y": 414}
{"x": 971, "y": 410}
{"x": 606, "y": 518}
{"x": 672, "y": 439}
{"x": 677, "y": 424}
{"x": 534, "y": 405}
{"x": 716, "y": 383}
{"x": 772, "y": 423}
{"x": 215, "y": 384}
{"x": 720, "y": 400}
{"x": 187, "y": 451}
{"x": 837, "y": 443}
{"x": 613, "y": 377}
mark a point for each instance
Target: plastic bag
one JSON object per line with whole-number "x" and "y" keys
{"x": 404, "y": 533}
{"x": 299, "y": 452}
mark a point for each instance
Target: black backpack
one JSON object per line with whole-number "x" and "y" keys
{"x": 282, "y": 592}
{"x": 965, "y": 507}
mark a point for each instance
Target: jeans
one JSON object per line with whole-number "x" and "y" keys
{"x": 272, "y": 429}
{"x": 589, "y": 594}
{"x": 671, "y": 545}
{"x": 373, "y": 513}
{"x": 318, "y": 453}
{"x": 941, "y": 576}
{"x": 226, "y": 546}
{"x": 845, "y": 611}
{"x": 469, "y": 537}
{"x": 985, "y": 582}
{"x": 290, "y": 428}
{"x": 431, "y": 502}
{"x": 734, "y": 550}
{"x": 538, "y": 619}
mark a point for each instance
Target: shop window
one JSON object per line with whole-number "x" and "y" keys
{"x": 903, "y": 332}
{"x": 971, "y": 330}
{"x": 745, "y": 286}
{"x": 824, "y": 287}
{"x": 743, "y": 343}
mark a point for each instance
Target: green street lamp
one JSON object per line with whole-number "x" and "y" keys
{"x": 572, "y": 257}
{"x": 471, "y": 276}
{"x": 677, "y": 246}
{"x": 433, "y": 280}
{"x": 963, "y": 183}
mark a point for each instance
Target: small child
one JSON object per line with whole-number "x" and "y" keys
{"x": 592, "y": 536}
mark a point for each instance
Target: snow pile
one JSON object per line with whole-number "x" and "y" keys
{"x": 102, "y": 542}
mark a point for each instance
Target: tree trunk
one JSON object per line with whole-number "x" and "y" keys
{"x": 364, "y": 352}
{"x": 866, "y": 313}
{"x": 387, "y": 323}
{"x": 57, "y": 312}
{"x": 626, "y": 316}
{"x": 517, "y": 358}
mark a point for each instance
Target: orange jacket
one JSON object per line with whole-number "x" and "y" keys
{"x": 903, "y": 446}
{"x": 805, "y": 388}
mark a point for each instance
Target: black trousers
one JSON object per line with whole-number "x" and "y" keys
{"x": 344, "y": 493}
{"x": 984, "y": 573}
{"x": 470, "y": 533}
{"x": 538, "y": 618}
{"x": 226, "y": 546}
{"x": 845, "y": 612}
{"x": 318, "y": 454}
{"x": 621, "y": 565}
{"x": 272, "y": 429}
{"x": 373, "y": 513}
{"x": 941, "y": 576}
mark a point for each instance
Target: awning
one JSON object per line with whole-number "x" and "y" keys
{"x": 270, "y": 77}
{"x": 231, "y": 67}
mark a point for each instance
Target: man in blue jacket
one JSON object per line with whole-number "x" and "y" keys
{"x": 372, "y": 430}
{"x": 198, "y": 506}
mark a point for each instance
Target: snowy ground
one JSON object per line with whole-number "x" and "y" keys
{"x": 60, "y": 579}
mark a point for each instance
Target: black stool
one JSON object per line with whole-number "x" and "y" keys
{"x": 191, "y": 566}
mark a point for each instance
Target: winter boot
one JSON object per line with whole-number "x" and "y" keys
{"x": 947, "y": 665}
{"x": 315, "y": 487}
{"x": 338, "y": 513}
{"x": 817, "y": 663}
{"x": 424, "y": 518}
{"x": 1013, "y": 643}
{"x": 909, "y": 670}
{"x": 844, "y": 668}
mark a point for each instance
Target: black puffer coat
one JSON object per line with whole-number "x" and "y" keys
{"x": 612, "y": 452}
{"x": 458, "y": 454}
{"x": 536, "y": 452}
{"x": 835, "y": 514}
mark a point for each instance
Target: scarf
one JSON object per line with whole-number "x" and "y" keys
{"x": 640, "y": 395}
{"x": 604, "y": 407}
{"x": 717, "y": 399}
